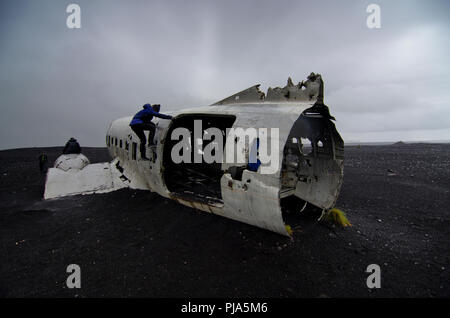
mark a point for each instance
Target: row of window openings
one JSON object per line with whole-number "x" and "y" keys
{"x": 113, "y": 141}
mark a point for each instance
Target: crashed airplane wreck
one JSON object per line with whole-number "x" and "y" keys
{"x": 308, "y": 171}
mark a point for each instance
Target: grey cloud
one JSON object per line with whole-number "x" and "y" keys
{"x": 57, "y": 82}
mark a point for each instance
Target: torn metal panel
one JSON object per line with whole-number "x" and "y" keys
{"x": 253, "y": 201}
{"x": 251, "y": 94}
{"x": 309, "y": 90}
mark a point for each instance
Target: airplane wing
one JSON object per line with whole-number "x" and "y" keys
{"x": 72, "y": 174}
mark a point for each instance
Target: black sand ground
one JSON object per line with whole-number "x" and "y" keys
{"x": 136, "y": 243}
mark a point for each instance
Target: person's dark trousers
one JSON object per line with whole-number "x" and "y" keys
{"x": 43, "y": 164}
{"x": 139, "y": 130}
{"x": 43, "y": 167}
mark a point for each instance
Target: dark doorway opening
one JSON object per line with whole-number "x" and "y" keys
{"x": 189, "y": 180}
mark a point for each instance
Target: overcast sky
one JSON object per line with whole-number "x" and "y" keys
{"x": 384, "y": 84}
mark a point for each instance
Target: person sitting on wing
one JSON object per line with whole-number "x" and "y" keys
{"x": 72, "y": 146}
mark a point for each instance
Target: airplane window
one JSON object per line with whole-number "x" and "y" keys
{"x": 133, "y": 151}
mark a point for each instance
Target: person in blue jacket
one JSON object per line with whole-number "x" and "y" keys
{"x": 143, "y": 121}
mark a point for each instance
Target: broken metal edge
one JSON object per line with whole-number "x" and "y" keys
{"x": 309, "y": 90}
